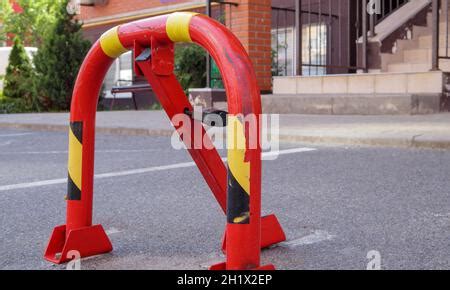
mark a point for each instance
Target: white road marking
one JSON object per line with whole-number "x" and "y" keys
{"x": 15, "y": 135}
{"x": 6, "y": 143}
{"x": 33, "y": 184}
{"x": 33, "y": 152}
{"x": 441, "y": 215}
{"x": 219, "y": 258}
{"x": 314, "y": 238}
{"x": 112, "y": 231}
{"x": 67, "y": 152}
{"x": 144, "y": 170}
{"x": 137, "y": 171}
{"x": 286, "y": 152}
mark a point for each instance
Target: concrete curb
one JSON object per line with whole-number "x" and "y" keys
{"x": 292, "y": 138}
{"x": 101, "y": 130}
{"x": 374, "y": 142}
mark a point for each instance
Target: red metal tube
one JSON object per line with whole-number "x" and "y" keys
{"x": 243, "y": 240}
{"x": 84, "y": 108}
{"x": 243, "y": 233}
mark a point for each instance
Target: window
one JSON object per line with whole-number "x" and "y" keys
{"x": 120, "y": 74}
{"x": 283, "y": 48}
{"x": 125, "y": 69}
{"x": 314, "y": 49}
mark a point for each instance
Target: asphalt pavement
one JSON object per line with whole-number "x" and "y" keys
{"x": 335, "y": 203}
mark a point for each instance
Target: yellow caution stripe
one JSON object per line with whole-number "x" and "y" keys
{"x": 110, "y": 43}
{"x": 75, "y": 161}
{"x": 238, "y": 191}
{"x": 177, "y": 26}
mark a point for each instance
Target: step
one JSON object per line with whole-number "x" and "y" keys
{"x": 403, "y": 44}
{"x": 422, "y": 55}
{"x": 442, "y": 18}
{"x": 427, "y": 30}
{"x": 374, "y": 83}
{"x": 444, "y": 65}
{"x": 408, "y": 67}
{"x": 421, "y": 31}
{"x": 412, "y": 67}
{"x": 352, "y": 104}
{"x": 389, "y": 58}
{"x": 442, "y": 27}
{"x": 425, "y": 41}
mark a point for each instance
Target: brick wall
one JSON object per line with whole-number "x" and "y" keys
{"x": 123, "y": 6}
{"x": 250, "y": 21}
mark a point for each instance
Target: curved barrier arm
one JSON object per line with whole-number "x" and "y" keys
{"x": 238, "y": 189}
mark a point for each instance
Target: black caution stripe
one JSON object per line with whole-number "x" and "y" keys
{"x": 73, "y": 192}
{"x": 238, "y": 202}
{"x": 77, "y": 130}
{"x": 75, "y": 161}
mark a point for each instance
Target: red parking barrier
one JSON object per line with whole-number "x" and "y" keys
{"x": 236, "y": 188}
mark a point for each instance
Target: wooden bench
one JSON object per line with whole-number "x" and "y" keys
{"x": 129, "y": 89}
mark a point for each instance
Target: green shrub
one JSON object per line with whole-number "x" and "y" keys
{"x": 190, "y": 64}
{"x": 156, "y": 107}
{"x": 10, "y": 105}
{"x": 58, "y": 60}
{"x": 18, "y": 72}
{"x": 32, "y": 24}
{"x": 19, "y": 89}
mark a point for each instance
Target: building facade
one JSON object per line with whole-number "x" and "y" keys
{"x": 282, "y": 37}
{"x": 316, "y": 56}
{"x": 250, "y": 20}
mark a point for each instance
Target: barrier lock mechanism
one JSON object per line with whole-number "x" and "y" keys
{"x": 210, "y": 117}
{"x": 145, "y": 55}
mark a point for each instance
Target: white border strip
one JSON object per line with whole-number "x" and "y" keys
{"x": 140, "y": 171}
